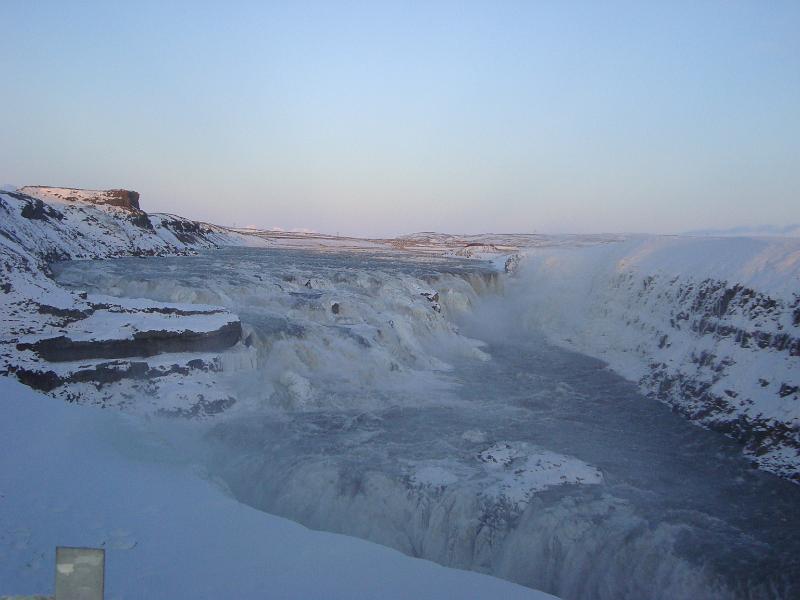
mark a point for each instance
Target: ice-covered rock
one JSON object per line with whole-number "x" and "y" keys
{"x": 519, "y": 470}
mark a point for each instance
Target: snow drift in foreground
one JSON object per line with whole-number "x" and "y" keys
{"x": 79, "y": 477}
{"x": 710, "y": 326}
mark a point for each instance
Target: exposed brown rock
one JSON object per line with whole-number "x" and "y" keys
{"x": 123, "y": 198}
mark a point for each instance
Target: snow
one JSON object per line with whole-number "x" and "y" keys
{"x": 58, "y": 195}
{"x": 104, "y": 325}
{"x": 318, "y": 241}
{"x": 771, "y": 266}
{"x": 512, "y": 472}
{"x": 76, "y": 477}
{"x": 520, "y": 470}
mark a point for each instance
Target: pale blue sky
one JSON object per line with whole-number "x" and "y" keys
{"x": 382, "y": 118}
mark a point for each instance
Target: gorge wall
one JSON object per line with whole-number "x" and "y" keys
{"x": 709, "y": 326}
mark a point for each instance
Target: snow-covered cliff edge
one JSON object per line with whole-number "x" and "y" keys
{"x": 51, "y": 336}
{"x": 709, "y": 325}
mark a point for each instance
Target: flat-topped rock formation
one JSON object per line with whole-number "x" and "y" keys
{"x": 120, "y": 198}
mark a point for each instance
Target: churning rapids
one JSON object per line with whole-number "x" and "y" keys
{"x": 399, "y": 398}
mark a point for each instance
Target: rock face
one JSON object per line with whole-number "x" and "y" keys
{"x": 123, "y": 198}
{"x": 101, "y": 374}
{"x": 733, "y": 331}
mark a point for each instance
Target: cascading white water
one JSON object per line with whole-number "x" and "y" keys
{"x": 385, "y": 418}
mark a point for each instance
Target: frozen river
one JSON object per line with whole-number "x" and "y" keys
{"x": 395, "y": 398}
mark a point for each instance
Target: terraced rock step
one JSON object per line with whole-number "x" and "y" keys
{"x": 143, "y": 343}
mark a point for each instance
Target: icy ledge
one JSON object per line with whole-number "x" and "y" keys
{"x": 74, "y": 478}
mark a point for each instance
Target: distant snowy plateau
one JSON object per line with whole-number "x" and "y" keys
{"x": 341, "y": 383}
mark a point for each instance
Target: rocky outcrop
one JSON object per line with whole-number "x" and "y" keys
{"x": 202, "y": 408}
{"x": 143, "y": 343}
{"x": 126, "y": 199}
{"x": 99, "y": 374}
{"x": 123, "y": 198}
{"x": 39, "y": 211}
{"x": 433, "y": 298}
{"x": 512, "y": 263}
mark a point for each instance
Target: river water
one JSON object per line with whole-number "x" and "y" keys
{"x": 385, "y": 420}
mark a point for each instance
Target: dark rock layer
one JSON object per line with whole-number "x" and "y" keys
{"x": 105, "y": 373}
{"x": 144, "y": 343}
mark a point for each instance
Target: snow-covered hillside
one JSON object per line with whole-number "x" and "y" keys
{"x": 50, "y": 336}
{"x": 61, "y": 223}
{"x": 709, "y": 325}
